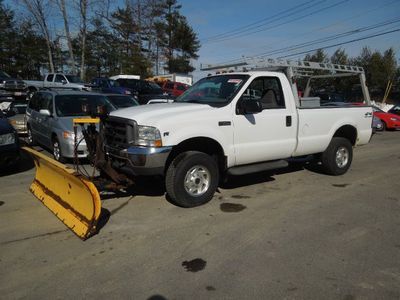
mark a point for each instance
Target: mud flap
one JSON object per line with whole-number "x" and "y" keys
{"x": 70, "y": 196}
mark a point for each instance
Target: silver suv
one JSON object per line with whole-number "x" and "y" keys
{"x": 49, "y": 120}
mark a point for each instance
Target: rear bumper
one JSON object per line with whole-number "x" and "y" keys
{"x": 139, "y": 161}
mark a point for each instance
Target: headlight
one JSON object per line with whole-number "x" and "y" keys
{"x": 70, "y": 135}
{"x": 394, "y": 119}
{"x": 149, "y": 136}
{"x": 7, "y": 139}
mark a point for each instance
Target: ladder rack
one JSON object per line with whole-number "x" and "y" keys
{"x": 293, "y": 69}
{"x": 249, "y": 64}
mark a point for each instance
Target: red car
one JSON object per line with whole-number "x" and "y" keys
{"x": 390, "y": 121}
{"x": 174, "y": 88}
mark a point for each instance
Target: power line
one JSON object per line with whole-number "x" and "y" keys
{"x": 288, "y": 48}
{"x": 340, "y": 44}
{"x": 268, "y": 19}
{"x": 279, "y": 24}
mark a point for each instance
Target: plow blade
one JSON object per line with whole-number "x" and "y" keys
{"x": 70, "y": 196}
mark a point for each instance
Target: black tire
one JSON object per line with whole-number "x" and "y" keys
{"x": 30, "y": 139}
{"x": 57, "y": 154}
{"x": 192, "y": 179}
{"x": 337, "y": 158}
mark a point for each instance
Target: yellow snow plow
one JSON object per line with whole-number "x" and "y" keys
{"x": 70, "y": 196}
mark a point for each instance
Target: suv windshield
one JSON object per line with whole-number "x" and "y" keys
{"x": 73, "y": 79}
{"x": 72, "y": 105}
{"x": 214, "y": 89}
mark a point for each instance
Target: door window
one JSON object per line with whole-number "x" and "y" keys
{"x": 50, "y": 78}
{"x": 268, "y": 91}
{"x": 59, "y": 78}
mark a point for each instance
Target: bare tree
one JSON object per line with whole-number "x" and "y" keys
{"x": 63, "y": 9}
{"x": 37, "y": 8}
{"x": 83, "y": 5}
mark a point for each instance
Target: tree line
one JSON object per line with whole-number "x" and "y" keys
{"x": 92, "y": 38}
{"x": 381, "y": 70}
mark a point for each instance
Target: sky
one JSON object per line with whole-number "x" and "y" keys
{"x": 284, "y": 23}
{"x": 230, "y": 30}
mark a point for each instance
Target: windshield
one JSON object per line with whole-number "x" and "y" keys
{"x": 73, "y": 79}
{"x": 122, "y": 101}
{"x": 4, "y": 74}
{"x": 214, "y": 89}
{"x": 72, "y": 105}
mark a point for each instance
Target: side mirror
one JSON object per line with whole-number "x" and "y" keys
{"x": 63, "y": 81}
{"x": 45, "y": 112}
{"x": 251, "y": 106}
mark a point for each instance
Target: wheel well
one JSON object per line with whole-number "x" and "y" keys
{"x": 53, "y": 136}
{"x": 348, "y": 132}
{"x": 201, "y": 144}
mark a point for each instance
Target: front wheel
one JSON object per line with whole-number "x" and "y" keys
{"x": 57, "y": 154}
{"x": 337, "y": 158}
{"x": 192, "y": 179}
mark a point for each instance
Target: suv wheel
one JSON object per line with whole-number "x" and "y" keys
{"x": 57, "y": 154}
{"x": 30, "y": 138}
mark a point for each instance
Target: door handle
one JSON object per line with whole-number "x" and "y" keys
{"x": 288, "y": 121}
{"x": 368, "y": 114}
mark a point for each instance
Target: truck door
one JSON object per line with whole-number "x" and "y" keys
{"x": 49, "y": 80}
{"x": 60, "y": 81}
{"x": 269, "y": 134}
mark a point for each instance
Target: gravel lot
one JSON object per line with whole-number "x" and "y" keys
{"x": 295, "y": 234}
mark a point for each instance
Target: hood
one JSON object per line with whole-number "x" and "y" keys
{"x": 5, "y": 126}
{"x": 153, "y": 114}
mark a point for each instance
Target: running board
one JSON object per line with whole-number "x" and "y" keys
{"x": 258, "y": 167}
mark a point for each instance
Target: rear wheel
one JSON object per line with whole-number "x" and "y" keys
{"x": 337, "y": 158}
{"x": 192, "y": 179}
{"x": 57, "y": 154}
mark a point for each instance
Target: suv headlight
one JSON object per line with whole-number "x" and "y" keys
{"x": 149, "y": 136}
{"x": 7, "y": 139}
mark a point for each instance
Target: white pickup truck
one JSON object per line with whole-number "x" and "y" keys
{"x": 56, "y": 80}
{"x": 233, "y": 123}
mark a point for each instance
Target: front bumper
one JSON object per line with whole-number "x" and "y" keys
{"x": 139, "y": 161}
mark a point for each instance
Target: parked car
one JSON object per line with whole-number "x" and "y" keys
{"x": 144, "y": 90}
{"x": 16, "y": 114}
{"x": 49, "y": 120}
{"x": 173, "y": 88}
{"x": 11, "y": 88}
{"x": 395, "y": 110}
{"x": 9, "y": 143}
{"x": 389, "y": 120}
{"x": 122, "y": 101}
{"x": 107, "y": 85}
{"x": 56, "y": 80}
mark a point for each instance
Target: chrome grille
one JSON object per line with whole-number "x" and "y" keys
{"x": 119, "y": 133}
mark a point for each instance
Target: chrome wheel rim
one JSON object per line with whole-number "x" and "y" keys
{"x": 30, "y": 138}
{"x": 56, "y": 150}
{"x": 197, "y": 180}
{"x": 342, "y": 157}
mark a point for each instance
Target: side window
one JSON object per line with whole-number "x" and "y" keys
{"x": 50, "y": 78}
{"x": 47, "y": 102}
{"x": 268, "y": 91}
{"x": 59, "y": 78}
